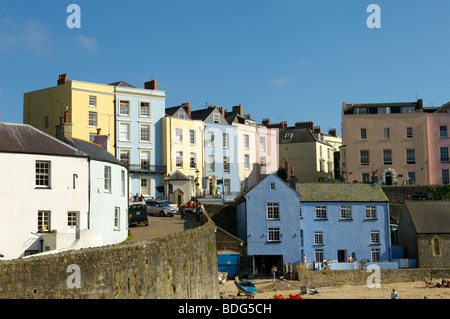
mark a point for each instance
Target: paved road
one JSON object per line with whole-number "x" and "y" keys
{"x": 162, "y": 226}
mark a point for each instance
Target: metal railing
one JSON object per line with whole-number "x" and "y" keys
{"x": 144, "y": 168}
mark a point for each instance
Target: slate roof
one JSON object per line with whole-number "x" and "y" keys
{"x": 202, "y": 114}
{"x": 429, "y": 217}
{"x": 299, "y": 135}
{"x": 95, "y": 151}
{"x": 177, "y": 176}
{"x": 23, "y": 138}
{"x": 340, "y": 192}
{"x": 241, "y": 197}
{"x": 123, "y": 84}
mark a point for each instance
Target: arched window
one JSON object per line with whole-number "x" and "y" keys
{"x": 436, "y": 245}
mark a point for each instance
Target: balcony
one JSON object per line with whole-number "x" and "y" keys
{"x": 144, "y": 168}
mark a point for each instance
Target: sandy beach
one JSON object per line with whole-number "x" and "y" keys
{"x": 266, "y": 289}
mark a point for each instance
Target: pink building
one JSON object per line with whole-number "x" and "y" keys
{"x": 395, "y": 143}
{"x": 439, "y": 144}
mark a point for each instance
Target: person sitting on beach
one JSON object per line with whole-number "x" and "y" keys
{"x": 394, "y": 294}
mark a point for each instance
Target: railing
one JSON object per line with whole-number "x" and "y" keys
{"x": 137, "y": 168}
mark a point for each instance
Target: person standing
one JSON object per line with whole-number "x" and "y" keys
{"x": 274, "y": 273}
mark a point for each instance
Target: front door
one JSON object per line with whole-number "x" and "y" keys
{"x": 341, "y": 255}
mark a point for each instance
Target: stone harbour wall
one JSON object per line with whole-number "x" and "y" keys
{"x": 336, "y": 278}
{"x": 178, "y": 266}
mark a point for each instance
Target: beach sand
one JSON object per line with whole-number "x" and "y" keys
{"x": 266, "y": 289}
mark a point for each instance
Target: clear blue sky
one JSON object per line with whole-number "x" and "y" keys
{"x": 293, "y": 60}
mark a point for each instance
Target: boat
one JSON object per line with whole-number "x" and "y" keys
{"x": 246, "y": 287}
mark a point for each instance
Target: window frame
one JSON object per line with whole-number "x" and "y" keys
{"x": 272, "y": 211}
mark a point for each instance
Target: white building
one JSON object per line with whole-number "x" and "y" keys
{"x": 53, "y": 196}
{"x": 43, "y": 190}
{"x": 108, "y": 201}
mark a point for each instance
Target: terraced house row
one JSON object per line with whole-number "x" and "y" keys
{"x": 170, "y": 152}
{"x": 396, "y": 143}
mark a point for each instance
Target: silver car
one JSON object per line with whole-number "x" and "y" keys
{"x": 159, "y": 208}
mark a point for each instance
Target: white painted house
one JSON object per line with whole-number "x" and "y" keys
{"x": 57, "y": 195}
{"x": 108, "y": 200}
{"x": 43, "y": 191}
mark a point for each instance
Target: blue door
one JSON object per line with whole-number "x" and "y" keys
{"x": 229, "y": 263}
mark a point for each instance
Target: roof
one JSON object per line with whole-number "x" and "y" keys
{"x": 429, "y": 217}
{"x": 123, "y": 84}
{"x": 177, "y": 176}
{"x": 241, "y": 197}
{"x": 340, "y": 192}
{"x": 298, "y": 135}
{"x": 202, "y": 114}
{"x": 23, "y": 138}
{"x": 95, "y": 151}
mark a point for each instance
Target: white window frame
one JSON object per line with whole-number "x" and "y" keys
{"x": 192, "y": 137}
{"x": 262, "y": 143}
{"x": 318, "y": 238}
{"x": 246, "y": 161}
{"x": 246, "y": 141}
{"x": 141, "y": 114}
{"x": 94, "y": 99}
{"x": 321, "y": 212}
{"x": 179, "y": 136}
{"x": 273, "y": 234}
{"x": 142, "y": 128}
{"x": 128, "y": 111}
{"x": 210, "y": 139}
{"x": 107, "y": 179}
{"x": 92, "y": 119}
{"x": 211, "y": 163}
{"x": 128, "y": 132}
{"x": 371, "y": 212}
{"x": 179, "y": 159}
{"x": 273, "y": 211}
{"x": 116, "y": 218}
{"x": 193, "y": 160}
{"x": 374, "y": 237}
{"x": 346, "y": 212}
{"x": 43, "y": 174}
{"x": 43, "y": 221}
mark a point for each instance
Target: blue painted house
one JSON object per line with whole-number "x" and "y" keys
{"x": 268, "y": 220}
{"x": 138, "y": 114}
{"x": 221, "y": 168}
{"x": 342, "y": 219}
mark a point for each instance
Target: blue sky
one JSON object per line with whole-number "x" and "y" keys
{"x": 287, "y": 60}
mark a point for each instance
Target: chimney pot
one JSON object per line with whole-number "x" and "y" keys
{"x": 62, "y": 79}
{"x": 151, "y": 85}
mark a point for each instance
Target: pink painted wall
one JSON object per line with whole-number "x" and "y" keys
{"x": 435, "y": 142}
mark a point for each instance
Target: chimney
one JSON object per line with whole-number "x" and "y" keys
{"x": 420, "y": 103}
{"x": 102, "y": 140}
{"x": 266, "y": 122}
{"x": 64, "y": 129}
{"x": 308, "y": 124}
{"x": 187, "y": 108}
{"x": 222, "y": 111}
{"x": 62, "y": 79}
{"x": 239, "y": 109}
{"x": 317, "y": 129}
{"x": 278, "y": 125}
{"x": 332, "y": 132}
{"x": 151, "y": 85}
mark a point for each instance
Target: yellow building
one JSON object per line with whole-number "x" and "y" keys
{"x": 183, "y": 154}
{"x": 90, "y": 109}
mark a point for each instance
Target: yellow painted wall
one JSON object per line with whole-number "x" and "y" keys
{"x": 74, "y": 94}
{"x": 170, "y": 146}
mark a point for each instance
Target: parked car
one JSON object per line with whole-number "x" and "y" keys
{"x": 171, "y": 204}
{"x": 159, "y": 208}
{"x": 137, "y": 213}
